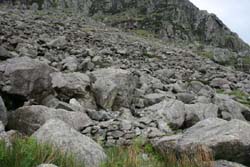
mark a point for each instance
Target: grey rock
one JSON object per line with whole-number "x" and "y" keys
{"x": 73, "y": 85}
{"x": 230, "y": 109}
{"x": 70, "y": 64}
{"x": 53, "y": 102}
{"x": 4, "y": 54}
{"x": 199, "y": 111}
{"x": 30, "y": 118}
{"x": 58, "y": 42}
{"x": 113, "y": 88}
{"x": 26, "y": 77}
{"x": 99, "y": 115}
{"x": 228, "y": 140}
{"x": 153, "y": 98}
{"x": 223, "y": 56}
{"x": 68, "y": 139}
{"x": 3, "y": 135}
{"x": 46, "y": 165}
{"x": 223, "y": 163}
{"x": 185, "y": 97}
{"x": 177, "y": 114}
{"x": 219, "y": 83}
{"x": 200, "y": 89}
{"x": 3, "y": 112}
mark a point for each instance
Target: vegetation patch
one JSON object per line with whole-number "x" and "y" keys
{"x": 29, "y": 153}
{"x": 142, "y": 154}
{"x": 240, "y": 96}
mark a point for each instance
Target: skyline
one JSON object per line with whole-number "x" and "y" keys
{"x": 234, "y": 14}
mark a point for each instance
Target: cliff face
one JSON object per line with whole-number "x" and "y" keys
{"x": 166, "y": 19}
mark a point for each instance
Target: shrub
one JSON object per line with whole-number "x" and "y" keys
{"x": 29, "y": 153}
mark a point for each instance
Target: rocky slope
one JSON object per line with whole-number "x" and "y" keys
{"x": 167, "y": 19}
{"x": 102, "y": 83}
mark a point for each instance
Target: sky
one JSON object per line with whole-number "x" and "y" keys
{"x": 234, "y": 13}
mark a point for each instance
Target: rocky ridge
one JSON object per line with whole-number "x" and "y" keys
{"x": 114, "y": 86}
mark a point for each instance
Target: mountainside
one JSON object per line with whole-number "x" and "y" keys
{"x": 70, "y": 80}
{"x": 167, "y": 19}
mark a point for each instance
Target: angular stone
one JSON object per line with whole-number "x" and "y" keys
{"x": 227, "y": 140}
{"x": 223, "y": 163}
{"x": 62, "y": 136}
{"x": 30, "y": 118}
{"x": 26, "y": 77}
{"x": 230, "y": 109}
{"x": 113, "y": 88}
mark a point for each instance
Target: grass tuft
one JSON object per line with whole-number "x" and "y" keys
{"x": 29, "y": 153}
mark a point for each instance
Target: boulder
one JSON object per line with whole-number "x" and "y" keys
{"x": 198, "y": 88}
{"x": 62, "y": 136}
{"x": 47, "y": 165}
{"x": 228, "y": 140}
{"x": 3, "y": 135}
{"x": 73, "y": 85}
{"x": 220, "y": 83}
{"x": 223, "y": 163}
{"x": 58, "y": 42}
{"x": 223, "y": 56}
{"x": 231, "y": 109}
{"x": 113, "y": 88}
{"x": 3, "y": 112}
{"x": 180, "y": 115}
{"x": 199, "y": 111}
{"x": 186, "y": 98}
{"x": 4, "y": 54}
{"x": 30, "y": 118}
{"x": 25, "y": 77}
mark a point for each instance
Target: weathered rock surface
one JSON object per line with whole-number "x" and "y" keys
{"x": 68, "y": 139}
{"x": 4, "y": 54}
{"x": 223, "y": 163}
{"x": 178, "y": 114}
{"x": 46, "y": 165}
{"x": 3, "y": 112}
{"x": 30, "y": 118}
{"x": 228, "y": 140}
{"x": 25, "y": 76}
{"x": 230, "y": 109}
{"x": 113, "y": 88}
{"x": 170, "y": 19}
{"x": 74, "y": 85}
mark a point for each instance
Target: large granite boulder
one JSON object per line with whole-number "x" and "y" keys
{"x": 73, "y": 85}
{"x": 4, "y": 54}
{"x": 113, "y": 88}
{"x": 25, "y": 77}
{"x": 62, "y": 136}
{"x": 228, "y": 140}
{"x": 180, "y": 115}
{"x": 30, "y": 118}
{"x": 231, "y": 109}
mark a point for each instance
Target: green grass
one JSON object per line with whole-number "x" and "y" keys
{"x": 29, "y": 153}
{"x": 206, "y": 54}
{"x": 144, "y": 155}
{"x": 238, "y": 95}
